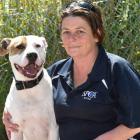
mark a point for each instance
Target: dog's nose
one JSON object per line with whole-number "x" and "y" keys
{"x": 32, "y": 57}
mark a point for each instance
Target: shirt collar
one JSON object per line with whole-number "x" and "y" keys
{"x": 99, "y": 69}
{"x": 67, "y": 68}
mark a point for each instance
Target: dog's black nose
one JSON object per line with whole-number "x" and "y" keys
{"x": 32, "y": 57}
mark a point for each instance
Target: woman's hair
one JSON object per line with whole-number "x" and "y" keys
{"x": 89, "y": 13}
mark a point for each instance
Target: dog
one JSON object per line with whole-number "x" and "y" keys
{"x": 30, "y": 99}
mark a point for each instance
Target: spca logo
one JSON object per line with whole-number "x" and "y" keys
{"x": 88, "y": 95}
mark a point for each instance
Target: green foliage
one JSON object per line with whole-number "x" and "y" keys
{"x": 123, "y": 29}
{"x": 41, "y": 17}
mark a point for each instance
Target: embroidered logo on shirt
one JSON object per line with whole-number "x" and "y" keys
{"x": 88, "y": 95}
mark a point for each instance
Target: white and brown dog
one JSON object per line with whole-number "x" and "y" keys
{"x": 30, "y": 100}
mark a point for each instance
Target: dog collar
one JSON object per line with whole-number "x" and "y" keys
{"x": 28, "y": 84}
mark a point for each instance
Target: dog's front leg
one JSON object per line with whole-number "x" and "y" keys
{"x": 17, "y": 135}
{"x": 53, "y": 133}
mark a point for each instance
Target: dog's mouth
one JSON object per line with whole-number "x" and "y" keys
{"x": 29, "y": 70}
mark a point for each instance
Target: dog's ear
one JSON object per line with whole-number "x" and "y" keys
{"x": 4, "y": 45}
{"x": 44, "y": 42}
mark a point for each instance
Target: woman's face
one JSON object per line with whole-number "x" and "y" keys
{"x": 77, "y": 36}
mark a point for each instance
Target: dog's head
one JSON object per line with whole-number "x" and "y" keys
{"x": 27, "y": 55}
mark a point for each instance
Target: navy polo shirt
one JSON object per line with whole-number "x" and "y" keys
{"x": 109, "y": 97}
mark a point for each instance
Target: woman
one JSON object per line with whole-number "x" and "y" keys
{"x": 96, "y": 93}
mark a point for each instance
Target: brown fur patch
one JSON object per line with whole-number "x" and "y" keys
{"x": 3, "y": 52}
{"x": 13, "y": 47}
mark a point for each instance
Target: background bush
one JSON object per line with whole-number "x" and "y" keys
{"x": 41, "y": 17}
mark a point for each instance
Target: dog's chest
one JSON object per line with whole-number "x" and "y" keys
{"x": 34, "y": 102}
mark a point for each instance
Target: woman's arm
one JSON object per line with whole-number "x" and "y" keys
{"x": 10, "y": 127}
{"x": 121, "y": 132}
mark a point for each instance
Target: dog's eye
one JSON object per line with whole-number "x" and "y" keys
{"x": 21, "y": 46}
{"x": 37, "y": 46}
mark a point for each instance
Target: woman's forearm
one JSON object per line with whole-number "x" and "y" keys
{"x": 121, "y": 132}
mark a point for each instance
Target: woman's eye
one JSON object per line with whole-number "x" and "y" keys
{"x": 80, "y": 32}
{"x": 66, "y": 32}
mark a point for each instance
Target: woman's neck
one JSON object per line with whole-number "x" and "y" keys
{"x": 86, "y": 62}
{"x": 82, "y": 67}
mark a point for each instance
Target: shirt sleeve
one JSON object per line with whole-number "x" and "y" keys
{"x": 127, "y": 94}
{"x": 54, "y": 68}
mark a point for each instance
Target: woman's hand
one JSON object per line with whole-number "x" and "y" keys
{"x": 9, "y": 126}
{"x": 107, "y": 136}
{"x": 121, "y": 132}
{"x": 103, "y": 137}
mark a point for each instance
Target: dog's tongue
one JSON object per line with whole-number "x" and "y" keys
{"x": 30, "y": 70}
